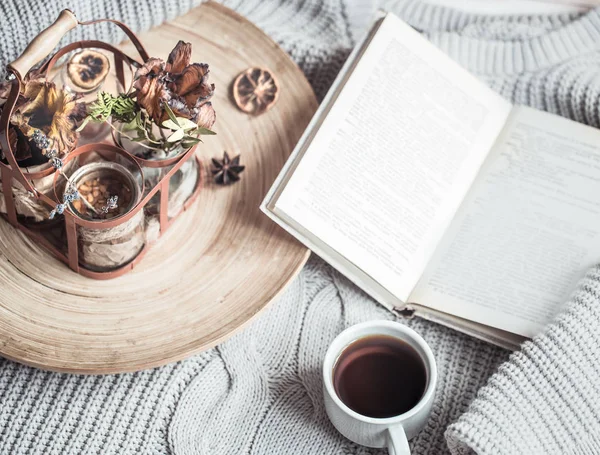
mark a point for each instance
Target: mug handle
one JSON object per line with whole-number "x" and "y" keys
{"x": 396, "y": 441}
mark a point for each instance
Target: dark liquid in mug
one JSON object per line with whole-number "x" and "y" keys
{"x": 380, "y": 376}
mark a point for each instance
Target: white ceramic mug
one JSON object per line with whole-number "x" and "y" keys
{"x": 392, "y": 432}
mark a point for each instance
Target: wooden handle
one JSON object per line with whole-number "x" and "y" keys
{"x": 43, "y": 44}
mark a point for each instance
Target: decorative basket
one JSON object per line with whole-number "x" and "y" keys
{"x": 95, "y": 248}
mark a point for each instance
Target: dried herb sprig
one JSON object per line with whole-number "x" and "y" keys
{"x": 111, "y": 204}
{"x": 137, "y": 123}
{"x": 184, "y": 130}
{"x": 71, "y": 194}
{"x": 118, "y": 107}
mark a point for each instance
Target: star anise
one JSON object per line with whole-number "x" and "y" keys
{"x": 227, "y": 170}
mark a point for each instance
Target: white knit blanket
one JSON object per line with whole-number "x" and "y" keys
{"x": 260, "y": 392}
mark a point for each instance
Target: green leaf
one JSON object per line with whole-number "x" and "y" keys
{"x": 192, "y": 139}
{"x": 186, "y": 143}
{"x": 138, "y": 120}
{"x": 204, "y": 131}
{"x": 186, "y": 123}
{"x": 170, "y": 113}
{"x": 83, "y": 124}
{"x": 130, "y": 126}
{"x": 187, "y": 146}
{"x": 171, "y": 125}
{"x": 189, "y": 142}
{"x": 176, "y": 136}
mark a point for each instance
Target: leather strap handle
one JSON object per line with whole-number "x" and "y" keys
{"x": 134, "y": 39}
{"x": 120, "y": 57}
{"x": 44, "y": 43}
{"x": 47, "y": 67}
{"x": 7, "y": 110}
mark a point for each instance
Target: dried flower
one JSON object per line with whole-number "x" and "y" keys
{"x": 182, "y": 86}
{"x": 71, "y": 194}
{"x": 44, "y": 107}
{"x": 227, "y": 170}
{"x": 53, "y": 111}
{"x": 150, "y": 88}
{"x": 111, "y": 204}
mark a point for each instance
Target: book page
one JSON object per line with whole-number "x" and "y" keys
{"x": 390, "y": 164}
{"x": 527, "y": 231}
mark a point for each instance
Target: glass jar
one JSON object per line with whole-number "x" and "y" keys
{"x": 104, "y": 248}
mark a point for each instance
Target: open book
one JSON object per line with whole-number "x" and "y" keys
{"x": 436, "y": 196}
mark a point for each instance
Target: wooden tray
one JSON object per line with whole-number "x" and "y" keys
{"x": 217, "y": 267}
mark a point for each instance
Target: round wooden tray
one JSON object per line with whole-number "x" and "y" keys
{"x": 220, "y": 264}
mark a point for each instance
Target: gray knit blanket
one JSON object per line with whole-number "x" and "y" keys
{"x": 260, "y": 392}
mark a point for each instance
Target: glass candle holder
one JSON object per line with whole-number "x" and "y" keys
{"x": 107, "y": 248}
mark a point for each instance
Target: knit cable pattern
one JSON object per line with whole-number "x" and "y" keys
{"x": 262, "y": 394}
{"x": 545, "y": 399}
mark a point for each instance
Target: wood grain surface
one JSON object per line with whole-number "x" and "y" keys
{"x": 217, "y": 267}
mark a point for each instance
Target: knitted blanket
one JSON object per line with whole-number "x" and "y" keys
{"x": 260, "y": 392}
